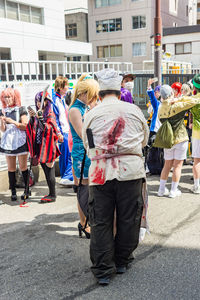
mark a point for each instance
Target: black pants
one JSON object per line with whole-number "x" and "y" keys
{"x": 106, "y": 252}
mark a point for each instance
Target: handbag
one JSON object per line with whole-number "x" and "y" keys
{"x": 83, "y": 192}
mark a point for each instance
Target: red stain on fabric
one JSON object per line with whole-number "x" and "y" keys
{"x": 99, "y": 175}
{"x": 125, "y": 169}
{"x": 115, "y": 131}
{"x": 113, "y": 163}
{"x": 110, "y": 139}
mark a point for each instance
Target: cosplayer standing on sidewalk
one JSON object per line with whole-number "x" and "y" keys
{"x": 85, "y": 94}
{"x": 114, "y": 134}
{"x": 154, "y": 156}
{"x": 154, "y": 96}
{"x": 127, "y": 85}
{"x": 61, "y": 111}
{"x": 171, "y": 114}
{"x": 13, "y": 123}
{"x": 196, "y": 137}
{"x": 42, "y": 138}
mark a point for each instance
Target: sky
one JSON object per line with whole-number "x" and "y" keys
{"x": 70, "y": 4}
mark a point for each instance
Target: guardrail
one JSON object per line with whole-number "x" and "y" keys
{"x": 49, "y": 70}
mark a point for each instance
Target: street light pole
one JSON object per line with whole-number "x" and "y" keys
{"x": 157, "y": 42}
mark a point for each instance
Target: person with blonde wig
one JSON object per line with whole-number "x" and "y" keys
{"x": 13, "y": 121}
{"x": 85, "y": 96}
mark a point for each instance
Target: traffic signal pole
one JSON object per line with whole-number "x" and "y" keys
{"x": 157, "y": 42}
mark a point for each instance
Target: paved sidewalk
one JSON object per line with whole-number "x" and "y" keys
{"x": 42, "y": 257}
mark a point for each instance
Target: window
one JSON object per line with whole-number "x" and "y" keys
{"x": 2, "y": 9}
{"x": 139, "y": 49}
{"x": 36, "y": 15}
{"x": 12, "y": 10}
{"x": 24, "y": 13}
{"x": 103, "y": 3}
{"x": 109, "y": 25}
{"x": 183, "y": 48}
{"x": 71, "y": 30}
{"x": 5, "y": 54}
{"x": 198, "y": 7}
{"x": 139, "y": 22}
{"x": 109, "y": 51}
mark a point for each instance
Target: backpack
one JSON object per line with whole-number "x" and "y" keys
{"x": 164, "y": 136}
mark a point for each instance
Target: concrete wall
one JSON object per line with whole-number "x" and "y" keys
{"x": 127, "y": 36}
{"x": 81, "y": 20}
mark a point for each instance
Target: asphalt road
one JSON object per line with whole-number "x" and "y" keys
{"x": 42, "y": 257}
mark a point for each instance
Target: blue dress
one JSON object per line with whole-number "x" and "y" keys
{"x": 78, "y": 148}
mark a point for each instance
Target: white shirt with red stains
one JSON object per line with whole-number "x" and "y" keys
{"x": 120, "y": 132}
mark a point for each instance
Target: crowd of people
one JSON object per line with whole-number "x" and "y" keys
{"x": 99, "y": 135}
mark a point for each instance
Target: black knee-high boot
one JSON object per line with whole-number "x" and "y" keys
{"x": 27, "y": 193}
{"x": 50, "y": 178}
{"x": 12, "y": 185}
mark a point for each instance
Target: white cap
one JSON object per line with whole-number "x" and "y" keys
{"x": 109, "y": 79}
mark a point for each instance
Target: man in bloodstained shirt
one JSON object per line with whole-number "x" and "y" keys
{"x": 114, "y": 134}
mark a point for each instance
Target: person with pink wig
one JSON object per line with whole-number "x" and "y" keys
{"x": 13, "y": 121}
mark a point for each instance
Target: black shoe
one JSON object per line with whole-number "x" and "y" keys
{"x": 121, "y": 270}
{"x": 13, "y": 196}
{"x": 48, "y": 199}
{"x": 25, "y": 196}
{"x": 81, "y": 230}
{"x": 104, "y": 281}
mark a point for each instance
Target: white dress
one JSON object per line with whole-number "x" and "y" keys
{"x": 13, "y": 140}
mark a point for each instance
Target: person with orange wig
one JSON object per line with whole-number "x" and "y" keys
{"x": 13, "y": 121}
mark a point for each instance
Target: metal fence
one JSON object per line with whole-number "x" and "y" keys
{"x": 49, "y": 70}
{"x": 140, "y": 84}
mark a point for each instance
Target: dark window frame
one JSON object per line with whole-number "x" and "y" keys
{"x": 181, "y": 53}
{"x": 71, "y": 30}
{"x": 139, "y": 22}
{"x": 102, "y": 23}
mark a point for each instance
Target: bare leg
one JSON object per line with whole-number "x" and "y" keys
{"x": 11, "y": 162}
{"x": 166, "y": 169}
{"x": 196, "y": 168}
{"x": 81, "y": 214}
{"x": 22, "y": 159}
{"x": 177, "y": 170}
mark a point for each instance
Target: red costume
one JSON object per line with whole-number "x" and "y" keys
{"x": 48, "y": 151}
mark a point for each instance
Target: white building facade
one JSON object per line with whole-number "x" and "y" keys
{"x": 183, "y": 43}
{"x": 35, "y": 29}
{"x": 121, "y": 30}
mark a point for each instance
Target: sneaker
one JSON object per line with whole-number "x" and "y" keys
{"x": 195, "y": 190}
{"x": 104, "y": 281}
{"x": 121, "y": 270}
{"x": 163, "y": 193}
{"x": 66, "y": 182}
{"x": 173, "y": 194}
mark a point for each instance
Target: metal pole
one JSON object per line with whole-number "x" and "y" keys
{"x": 157, "y": 42}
